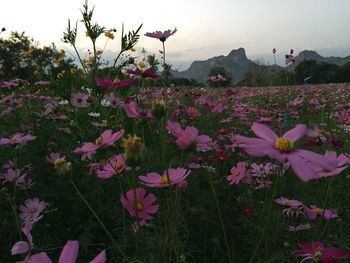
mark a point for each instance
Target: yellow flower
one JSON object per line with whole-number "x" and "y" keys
{"x": 142, "y": 64}
{"x": 109, "y": 34}
{"x": 132, "y": 49}
{"x": 88, "y": 34}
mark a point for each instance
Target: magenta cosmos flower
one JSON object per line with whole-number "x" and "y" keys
{"x": 107, "y": 138}
{"x": 115, "y": 165}
{"x": 79, "y": 100}
{"x": 69, "y": 254}
{"x": 114, "y": 84}
{"x": 185, "y": 137}
{"x": 170, "y": 177}
{"x": 282, "y": 149}
{"x": 313, "y": 211}
{"x": 30, "y": 212}
{"x": 139, "y": 204}
{"x": 148, "y": 73}
{"x": 317, "y": 252}
{"x": 162, "y": 36}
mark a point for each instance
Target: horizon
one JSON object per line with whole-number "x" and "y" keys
{"x": 257, "y": 27}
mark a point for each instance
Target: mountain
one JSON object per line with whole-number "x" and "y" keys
{"x": 313, "y": 55}
{"x": 236, "y": 62}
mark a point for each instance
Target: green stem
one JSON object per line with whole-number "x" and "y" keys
{"x": 220, "y": 218}
{"x": 97, "y": 217}
{"x": 267, "y": 221}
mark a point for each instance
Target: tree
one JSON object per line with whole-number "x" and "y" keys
{"x": 216, "y": 71}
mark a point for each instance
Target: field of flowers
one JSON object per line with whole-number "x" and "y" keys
{"x": 106, "y": 166}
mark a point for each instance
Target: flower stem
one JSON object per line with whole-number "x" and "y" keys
{"x": 97, "y": 217}
{"x": 220, "y": 218}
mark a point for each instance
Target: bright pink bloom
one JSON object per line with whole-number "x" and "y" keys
{"x": 282, "y": 149}
{"x": 170, "y": 177}
{"x": 107, "y": 138}
{"x": 317, "y": 252}
{"x": 162, "y": 36}
{"x": 148, "y": 73}
{"x": 69, "y": 254}
{"x": 238, "y": 173}
{"x": 18, "y": 139}
{"x": 188, "y": 136}
{"x": 139, "y": 204}
{"x": 115, "y": 165}
{"x": 132, "y": 110}
{"x": 193, "y": 113}
{"x": 114, "y": 84}
{"x": 313, "y": 211}
{"x": 30, "y": 212}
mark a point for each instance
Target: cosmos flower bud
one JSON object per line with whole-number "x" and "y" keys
{"x": 158, "y": 109}
{"x": 134, "y": 149}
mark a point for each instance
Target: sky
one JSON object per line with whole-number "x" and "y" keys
{"x": 206, "y": 28}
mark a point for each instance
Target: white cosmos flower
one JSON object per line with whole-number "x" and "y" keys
{"x": 105, "y": 103}
{"x": 94, "y": 114}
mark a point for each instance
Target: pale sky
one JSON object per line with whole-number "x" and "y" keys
{"x": 206, "y": 28}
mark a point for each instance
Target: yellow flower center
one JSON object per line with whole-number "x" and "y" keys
{"x": 58, "y": 162}
{"x": 139, "y": 206}
{"x": 33, "y": 210}
{"x": 13, "y": 139}
{"x": 284, "y": 145}
{"x": 99, "y": 141}
{"x": 318, "y": 254}
{"x": 118, "y": 166}
{"x": 319, "y": 211}
{"x": 116, "y": 81}
{"x": 165, "y": 180}
{"x": 237, "y": 173}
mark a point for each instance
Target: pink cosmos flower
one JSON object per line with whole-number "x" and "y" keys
{"x": 114, "y": 84}
{"x": 238, "y": 173}
{"x": 80, "y": 100}
{"x": 139, "y": 204}
{"x": 317, "y": 252}
{"x": 342, "y": 163}
{"x": 171, "y": 177}
{"x": 22, "y": 247}
{"x": 313, "y": 211}
{"x": 107, "y": 138}
{"x": 282, "y": 149}
{"x": 30, "y": 212}
{"x": 69, "y": 254}
{"x": 18, "y": 139}
{"x": 295, "y": 207}
{"x": 192, "y": 112}
{"x": 148, "y": 73}
{"x": 17, "y": 176}
{"x": 115, "y": 165}
{"x": 162, "y": 36}
{"x": 188, "y": 136}
{"x": 132, "y": 110}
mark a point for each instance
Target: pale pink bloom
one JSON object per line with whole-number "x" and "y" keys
{"x": 188, "y": 136}
{"x": 295, "y": 207}
{"x": 139, "y": 204}
{"x": 317, "y": 252}
{"x": 115, "y": 165}
{"x": 282, "y": 149}
{"x": 342, "y": 163}
{"x": 132, "y": 110}
{"x": 313, "y": 211}
{"x": 299, "y": 227}
{"x": 69, "y": 254}
{"x": 162, "y": 36}
{"x": 30, "y": 212}
{"x": 170, "y": 177}
{"x": 107, "y": 138}
{"x": 80, "y": 100}
{"x": 192, "y": 112}
{"x": 18, "y": 139}
{"x": 17, "y": 176}
{"x": 22, "y": 247}
{"x": 238, "y": 173}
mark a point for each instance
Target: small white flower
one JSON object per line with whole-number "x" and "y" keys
{"x": 105, "y": 103}
{"x": 63, "y": 102}
{"x": 94, "y": 114}
{"x": 88, "y": 90}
